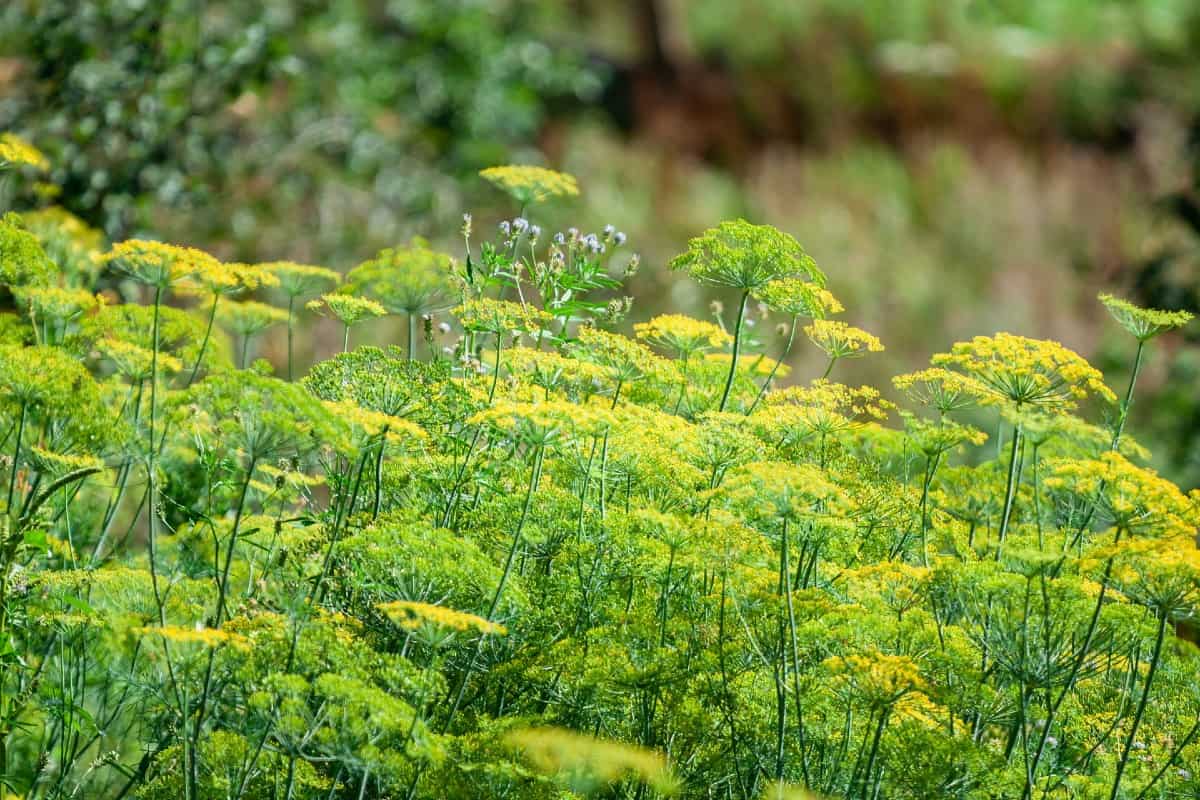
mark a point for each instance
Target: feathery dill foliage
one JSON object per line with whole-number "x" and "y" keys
{"x": 527, "y": 555}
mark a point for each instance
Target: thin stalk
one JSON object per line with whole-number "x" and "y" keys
{"x": 534, "y": 474}
{"x": 212, "y": 316}
{"x": 12, "y": 480}
{"x": 291, "y": 325}
{"x": 737, "y": 343}
{"x": 931, "y": 464}
{"x": 1141, "y": 709}
{"x": 1010, "y": 489}
{"x": 786, "y": 349}
{"x": 151, "y": 477}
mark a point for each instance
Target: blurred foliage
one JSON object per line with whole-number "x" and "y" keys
{"x": 250, "y": 121}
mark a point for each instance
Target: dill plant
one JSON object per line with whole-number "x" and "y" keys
{"x": 552, "y": 560}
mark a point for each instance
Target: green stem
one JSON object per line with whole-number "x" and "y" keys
{"x": 1128, "y": 401}
{"x": 534, "y": 474}
{"x": 787, "y": 349}
{"x": 12, "y": 480}
{"x": 1141, "y": 709}
{"x": 291, "y": 333}
{"x": 1010, "y": 489}
{"x": 212, "y": 316}
{"x": 737, "y": 342}
{"x": 152, "y": 477}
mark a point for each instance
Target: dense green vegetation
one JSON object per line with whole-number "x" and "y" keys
{"x": 530, "y": 550}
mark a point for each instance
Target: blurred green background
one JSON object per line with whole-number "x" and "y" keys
{"x": 956, "y": 166}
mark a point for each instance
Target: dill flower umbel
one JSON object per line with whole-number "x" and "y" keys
{"x": 160, "y": 264}
{"x": 682, "y": 335}
{"x": 1143, "y": 323}
{"x": 500, "y": 317}
{"x": 195, "y": 635}
{"x": 798, "y": 297}
{"x": 527, "y": 184}
{"x": 585, "y": 761}
{"x": 16, "y": 152}
{"x": 942, "y": 389}
{"x": 133, "y": 362}
{"x": 297, "y": 280}
{"x": 839, "y": 340}
{"x": 1014, "y": 369}
{"x": 744, "y": 256}
{"x": 411, "y": 615}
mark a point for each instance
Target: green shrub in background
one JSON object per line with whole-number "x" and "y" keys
{"x": 348, "y": 119}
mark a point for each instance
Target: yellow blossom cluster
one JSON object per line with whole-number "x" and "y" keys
{"x": 839, "y": 340}
{"x": 15, "y": 151}
{"x": 681, "y": 334}
{"x": 411, "y": 615}
{"x": 528, "y": 184}
{"x": 1022, "y": 371}
{"x": 160, "y": 264}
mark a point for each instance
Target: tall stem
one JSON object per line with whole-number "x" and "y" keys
{"x": 212, "y": 316}
{"x": 1141, "y": 709}
{"x": 152, "y": 477}
{"x": 786, "y": 349}
{"x": 737, "y": 343}
{"x": 1125, "y": 405}
{"x": 12, "y": 479}
{"x": 1010, "y": 489}
{"x": 291, "y": 333}
{"x": 534, "y": 474}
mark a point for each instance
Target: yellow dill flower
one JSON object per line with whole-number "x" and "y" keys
{"x": 878, "y": 679}
{"x": 55, "y": 303}
{"x": 935, "y": 438}
{"x": 411, "y": 615}
{"x": 794, "y": 490}
{"x": 249, "y": 318}
{"x": 70, "y": 242}
{"x": 346, "y": 307}
{"x": 798, "y": 298}
{"x": 839, "y": 340}
{"x": 366, "y": 424}
{"x": 501, "y": 317}
{"x": 682, "y": 334}
{"x": 586, "y": 762}
{"x": 195, "y": 635}
{"x": 133, "y": 362}
{"x": 544, "y": 423}
{"x": 625, "y": 359}
{"x": 296, "y": 280}
{"x": 940, "y": 388}
{"x": 16, "y": 152}
{"x": 1143, "y": 323}
{"x": 405, "y": 280}
{"x": 1135, "y": 499}
{"x": 552, "y": 371}
{"x": 863, "y": 402}
{"x": 1162, "y": 574}
{"x": 160, "y": 264}
{"x": 1023, "y": 371}
{"x": 53, "y": 463}
{"x": 233, "y": 278}
{"x": 527, "y": 184}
